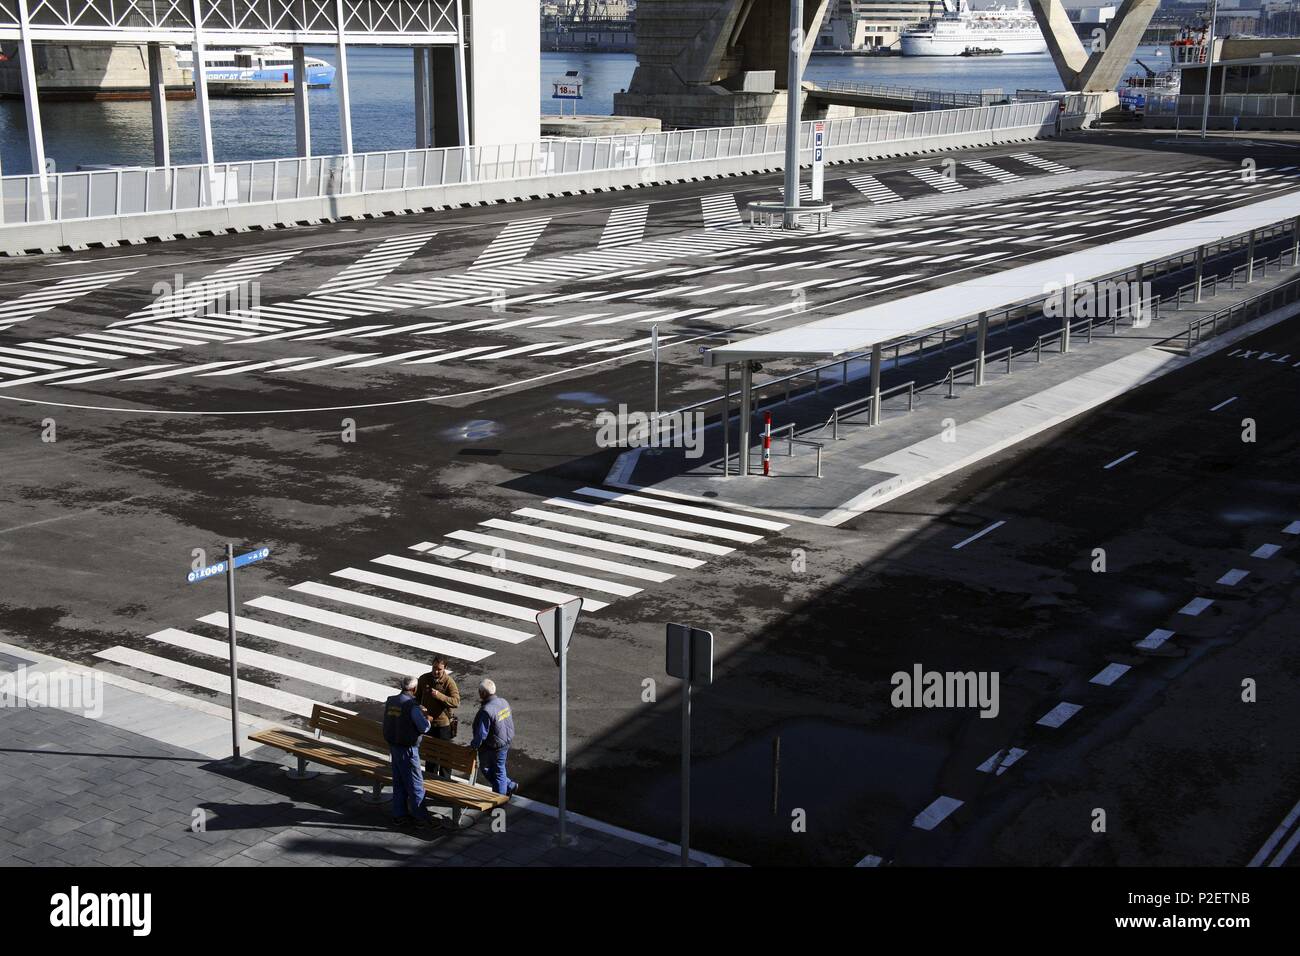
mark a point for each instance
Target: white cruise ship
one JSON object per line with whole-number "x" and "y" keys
{"x": 1011, "y": 30}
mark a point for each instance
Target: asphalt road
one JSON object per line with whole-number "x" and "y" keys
{"x": 101, "y": 524}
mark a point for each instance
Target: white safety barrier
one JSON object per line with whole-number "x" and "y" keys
{"x": 116, "y": 193}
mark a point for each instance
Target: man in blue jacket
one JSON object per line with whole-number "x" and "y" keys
{"x": 404, "y": 723}
{"x": 494, "y": 729}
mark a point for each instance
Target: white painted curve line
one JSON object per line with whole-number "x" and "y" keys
{"x": 936, "y": 813}
{"x": 978, "y": 534}
{"x": 1275, "y": 838}
{"x": 1195, "y": 606}
{"x": 1225, "y": 402}
{"x": 1154, "y": 639}
{"x": 1003, "y": 760}
{"x": 1233, "y": 578}
{"x": 1109, "y": 674}
{"x": 1120, "y": 460}
{"x": 1059, "y": 714}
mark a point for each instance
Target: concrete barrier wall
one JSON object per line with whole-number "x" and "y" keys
{"x": 76, "y": 234}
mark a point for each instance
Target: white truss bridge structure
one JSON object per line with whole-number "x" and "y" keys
{"x": 396, "y": 22}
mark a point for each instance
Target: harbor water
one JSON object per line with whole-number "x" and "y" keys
{"x": 383, "y": 113}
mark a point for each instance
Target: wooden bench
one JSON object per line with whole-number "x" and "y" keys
{"x": 350, "y": 731}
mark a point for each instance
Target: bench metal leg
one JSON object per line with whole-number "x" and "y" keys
{"x": 376, "y": 794}
{"x": 302, "y": 773}
{"x": 456, "y": 814}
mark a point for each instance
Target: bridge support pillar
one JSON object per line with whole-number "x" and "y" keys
{"x": 1100, "y": 69}
{"x": 35, "y": 135}
{"x": 446, "y": 101}
{"x": 746, "y": 414}
{"x": 877, "y": 359}
{"x": 345, "y": 91}
{"x": 1200, "y": 270}
{"x": 981, "y": 341}
{"x": 794, "y": 76}
{"x": 162, "y": 151}
{"x": 422, "y": 125}
{"x": 201, "y": 101}
{"x": 301, "y": 111}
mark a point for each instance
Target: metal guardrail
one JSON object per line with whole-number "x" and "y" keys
{"x": 800, "y": 441}
{"x": 932, "y": 97}
{"x": 1237, "y": 314}
{"x": 121, "y": 192}
{"x": 1243, "y": 105}
{"x": 842, "y": 413}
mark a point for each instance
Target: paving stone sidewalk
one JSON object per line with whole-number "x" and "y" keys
{"x": 81, "y": 792}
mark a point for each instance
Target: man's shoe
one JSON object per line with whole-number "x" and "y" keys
{"x": 512, "y": 789}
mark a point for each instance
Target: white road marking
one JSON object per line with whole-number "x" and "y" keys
{"x": 936, "y": 813}
{"x": 1059, "y": 714}
{"x": 560, "y": 556}
{"x": 442, "y": 595}
{"x": 1233, "y": 577}
{"x": 1276, "y": 837}
{"x": 544, "y": 573}
{"x": 1009, "y": 757}
{"x": 647, "y": 502}
{"x": 1266, "y": 551}
{"x": 319, "y": 645}
{"x": 210, "y": 680}
{"x": 1228, "y": 401}
{"x": 1109, "y": 674}
{"x": 979, "y": 534}
{"x": 1195, "y": 606}
{"x": 657, "y": 521}
{"x": 386, "y": 632}
{"x": 594, "y": 544}
{"x": 450, "y": 621}
{"x": 1154, "y": 639}
{"x": 1119, "y": 460}
{"x": 619, "y": 531}
{"x": 490, "y": 582}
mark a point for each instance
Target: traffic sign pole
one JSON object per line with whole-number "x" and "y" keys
{"x": 686, "y": 752}
{"x": 234, "y": 662}
{"x": 562, "y": 645}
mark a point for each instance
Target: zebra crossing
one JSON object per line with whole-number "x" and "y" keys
{"x": 1046, "y": 165}
{"x": 31, "y": 304}
{"x": 377, "y": 264}
{"x": 625, "y": 226}
{"x": 512, "y": 244}
{"x": 720, "y": 211}
{"x": 805, "y": 192}
{"x": 937, "y": 180}
{"x": 874, "y": 189}
{"x": 470, "y": 597}
{"x": 188, "y": 299}
{"x": 996, "y": 173}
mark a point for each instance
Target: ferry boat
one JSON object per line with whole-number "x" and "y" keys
{"x": 1013, "y": 30}
{"x": 264, "y": 69}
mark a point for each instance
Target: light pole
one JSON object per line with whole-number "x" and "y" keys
{"x": 794, "y": 81}
{"x": 1209, "y": 67}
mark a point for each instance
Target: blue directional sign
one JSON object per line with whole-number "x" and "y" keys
{"x": 212, "y": 570}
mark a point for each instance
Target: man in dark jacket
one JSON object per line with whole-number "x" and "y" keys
{"x": 494, "y": 730}
{"x": 404, "y": 723}
{"x": 439, "y": 696}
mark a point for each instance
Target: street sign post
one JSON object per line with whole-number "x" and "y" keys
{"x": 819, "y": 164}
{"x": 567, "y": 87}
{"x": 556, "y": 624}
{"x": 689, "y": 658}
{"x": 227, "y": 567}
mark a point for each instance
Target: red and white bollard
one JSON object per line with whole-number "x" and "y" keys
{"x": 767, "y": 444}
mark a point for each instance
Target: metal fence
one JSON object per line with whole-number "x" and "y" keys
{"x": 130, "y": 191}
{"x": 932, "y": 98}
{"x": 1242, "y": 105}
